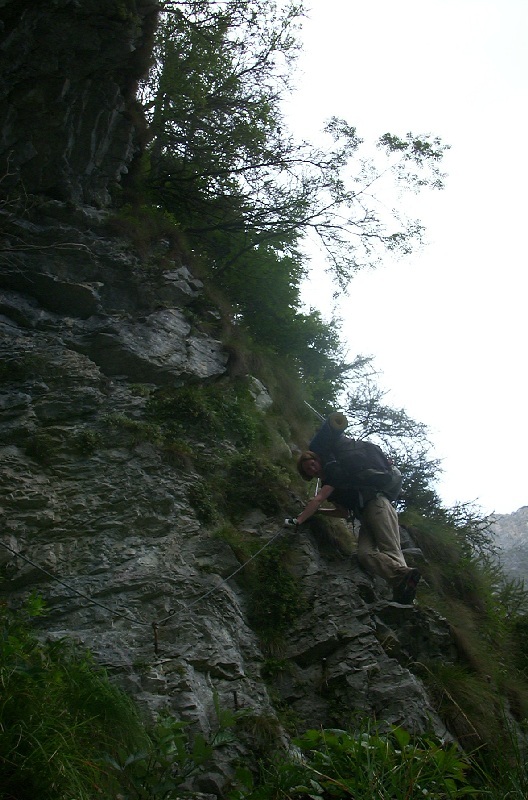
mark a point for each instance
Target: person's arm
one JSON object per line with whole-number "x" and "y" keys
{"x": 313, "y": 505}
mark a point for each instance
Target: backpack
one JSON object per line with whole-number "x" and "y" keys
{"x": 364, "y": 462}
{"x": 369, "y": 469}
{"x": 331, "y": 429}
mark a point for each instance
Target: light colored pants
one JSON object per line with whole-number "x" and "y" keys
{"x": 379, "y": 550}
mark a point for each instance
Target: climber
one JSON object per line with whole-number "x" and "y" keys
{"x": 358, "y": 479}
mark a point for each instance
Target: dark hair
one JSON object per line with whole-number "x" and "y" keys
{"x": 308, "y": 455}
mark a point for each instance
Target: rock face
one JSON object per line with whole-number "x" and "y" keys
{"x": 102, "y": 525}
{"x": 67, "y": 111}
{"x": 511, "y": 538}
{"x": 98, "y": 297}
{"x": 352, "y": 650}
{"x": 108, "y": 534}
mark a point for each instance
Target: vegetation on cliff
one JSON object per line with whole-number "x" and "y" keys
{"x": 244, "y": 195}
{"x": 222, "y": 183}
{"x": 67, "y": 731}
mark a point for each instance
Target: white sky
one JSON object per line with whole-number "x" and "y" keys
{"x": 450, "y": 330}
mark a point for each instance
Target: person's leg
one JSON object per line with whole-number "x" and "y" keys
{"x": 379, "y": 550}
{"x": 380, "y": 517}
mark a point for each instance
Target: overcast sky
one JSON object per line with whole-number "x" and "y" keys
{"x": 450, "y": 331}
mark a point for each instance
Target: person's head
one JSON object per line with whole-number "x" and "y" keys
{"x": 309, "y": 465}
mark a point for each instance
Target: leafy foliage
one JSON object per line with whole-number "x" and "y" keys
{"x": 171, "y": 758}
{"x": 255, "y": 482}
{"x": 367, "y": 764}
{"x": 201, "y": 498}
{"x": 222, "y": 161}
{"x": 67, "y": 731}
{"x": 58, "y": 713}
{"x": 216, "y": 411}
{"x": 274, "y": 594}
{"x": 245, "y": 195}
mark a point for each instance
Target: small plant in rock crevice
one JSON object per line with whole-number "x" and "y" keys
{"x": 134, "y": 431}
{"x": 42, "y": 447}
{"x": 242, "y": 544}
{"x": 87, "y": 441}
{"x": 252, "y": 481}
{"x": 220, "y": 411}
{"x": 201, "y": 499}
{"x": 274, "y": 667}
{"x": 275, "y": 596}
{"x": 177, "y": 453}
{"x": 263, "y": 732}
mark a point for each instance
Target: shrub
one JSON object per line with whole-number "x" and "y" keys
{"x": 218, "y": 411}
{"x": 275, "y": 597}
{"x": 147, "y": 225}
{"x": 42, "y": 447}
{"x": 254, "y": 482}
{"x": 86, "y": 442}
{"x": 364, "y": 765}
{"x": 135, "y": 430}
{"x": 67, "y": 732}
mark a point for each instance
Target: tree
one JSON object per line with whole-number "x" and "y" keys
{"x": 246, "y": 194}
{"x": 370, "y": 417}
{"x": 222, "y": 161}
{"x": 212, "y": 98}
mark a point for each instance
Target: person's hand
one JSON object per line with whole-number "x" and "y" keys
{"x": 289, "y": 522}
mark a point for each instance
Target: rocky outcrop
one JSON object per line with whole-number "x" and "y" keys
{"x": 62, "y": 272}
{"x": 510, "y": 533}
{"x": 103, "y": 526}
{"x": 354, "y": 651}
{"x": 68, "y": 117}
{"x": 95, "y": 515}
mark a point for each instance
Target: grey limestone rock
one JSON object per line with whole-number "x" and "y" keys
{"x": 103, "y": 528}
{"x": 67, "y": 105}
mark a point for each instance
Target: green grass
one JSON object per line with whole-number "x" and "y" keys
{"x": 59, "y": 714}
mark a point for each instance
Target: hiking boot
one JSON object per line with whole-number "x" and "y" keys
{"x": 405, "y": 591}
